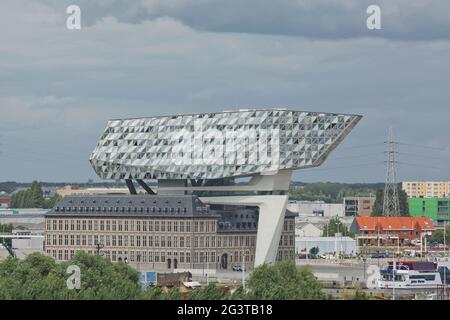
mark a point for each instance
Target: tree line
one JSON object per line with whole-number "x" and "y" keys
{"x": 39, "y": 277}
{"x": 33, "y": 198}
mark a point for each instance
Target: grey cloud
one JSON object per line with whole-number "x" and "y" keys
{"x": 322, "y": 19}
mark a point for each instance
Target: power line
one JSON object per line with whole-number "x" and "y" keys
{"x": 362, "y": 146}
{"x": 423, "y": 166}
{"x": 420, "y": 146}
{"x": 359, "y": 156}
{"x": 349, "y": 166}
{"x": 424, "y": 156}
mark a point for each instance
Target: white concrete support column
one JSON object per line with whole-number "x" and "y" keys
{"x": 272, "y": 209}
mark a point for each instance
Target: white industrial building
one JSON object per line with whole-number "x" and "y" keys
{"x": 307, "y": 229}
{"x": 316, "y": 209}
{"x": 326, "y": 245}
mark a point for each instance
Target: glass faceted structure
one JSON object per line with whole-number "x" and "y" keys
{"x": 218, "y": 145}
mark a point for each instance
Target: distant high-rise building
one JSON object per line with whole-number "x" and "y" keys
{"x": 358, "y": 206}
{"x": 426, "y": 189}
{"x": 437, "y": 209}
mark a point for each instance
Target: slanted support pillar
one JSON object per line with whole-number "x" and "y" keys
{"x": 272, "y": 210}
{"x": 130, "y": 186}
{"x": 145, "y": 186}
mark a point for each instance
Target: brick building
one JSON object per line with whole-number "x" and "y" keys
{"x": 387, "y": 229}
{"x": 159, "y": 232}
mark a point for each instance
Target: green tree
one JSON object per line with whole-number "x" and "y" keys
{"x": 6, "y": 228}
{"x": 377, "y": 209}
{"x": 154, "y": 293}
{"x": 40, "y": 277}
{"x": 438, "y": 235}
{"x": 52, "y": 201}
{"x": 334, "y": 226}
{"x": 403, "y": 203}
{"x": 283, "y": 281}
{"x": 239, "y": 294}
{"x": 360, "y": 295}
{"x": 36, "y": 197}
{"x": 172, "y": 294}
{"x": 30, "y": 198}
{"x": 314, "y": 251}
{"x": 210, "y": 292}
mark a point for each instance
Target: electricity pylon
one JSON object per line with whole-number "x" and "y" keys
{"x": 391, "y": 203}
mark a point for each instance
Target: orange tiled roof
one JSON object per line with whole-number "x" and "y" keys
{"x": 394, "y": 223}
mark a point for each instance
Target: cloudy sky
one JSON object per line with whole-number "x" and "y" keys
{"x": 58, "y": 87}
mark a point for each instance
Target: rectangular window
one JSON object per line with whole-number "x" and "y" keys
{"x": 188, "y": 226}
{"x": 144, "y": 225}
{"x": 188, "y": 242}
{"x": 181, "y": 242}
{"x": 144, "y": 241}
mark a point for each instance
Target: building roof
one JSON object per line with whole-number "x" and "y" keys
{"x": 394, "y": 223}
{"x": 132, "y": 205}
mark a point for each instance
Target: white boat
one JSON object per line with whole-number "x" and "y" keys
{"x": 414, "y": 275}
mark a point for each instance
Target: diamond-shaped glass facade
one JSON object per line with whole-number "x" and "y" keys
{"x": 218, "y": 145}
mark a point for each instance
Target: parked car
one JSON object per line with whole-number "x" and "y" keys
{"x": 238, "y": 268}
{"x": 378, "y": 255}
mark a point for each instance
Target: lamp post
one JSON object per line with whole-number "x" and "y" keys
{"x": 99, "y": 246}
{"x": 138, "y": 258}
{"x": 243, "y": 270}
{"x": 445, "y": 268}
